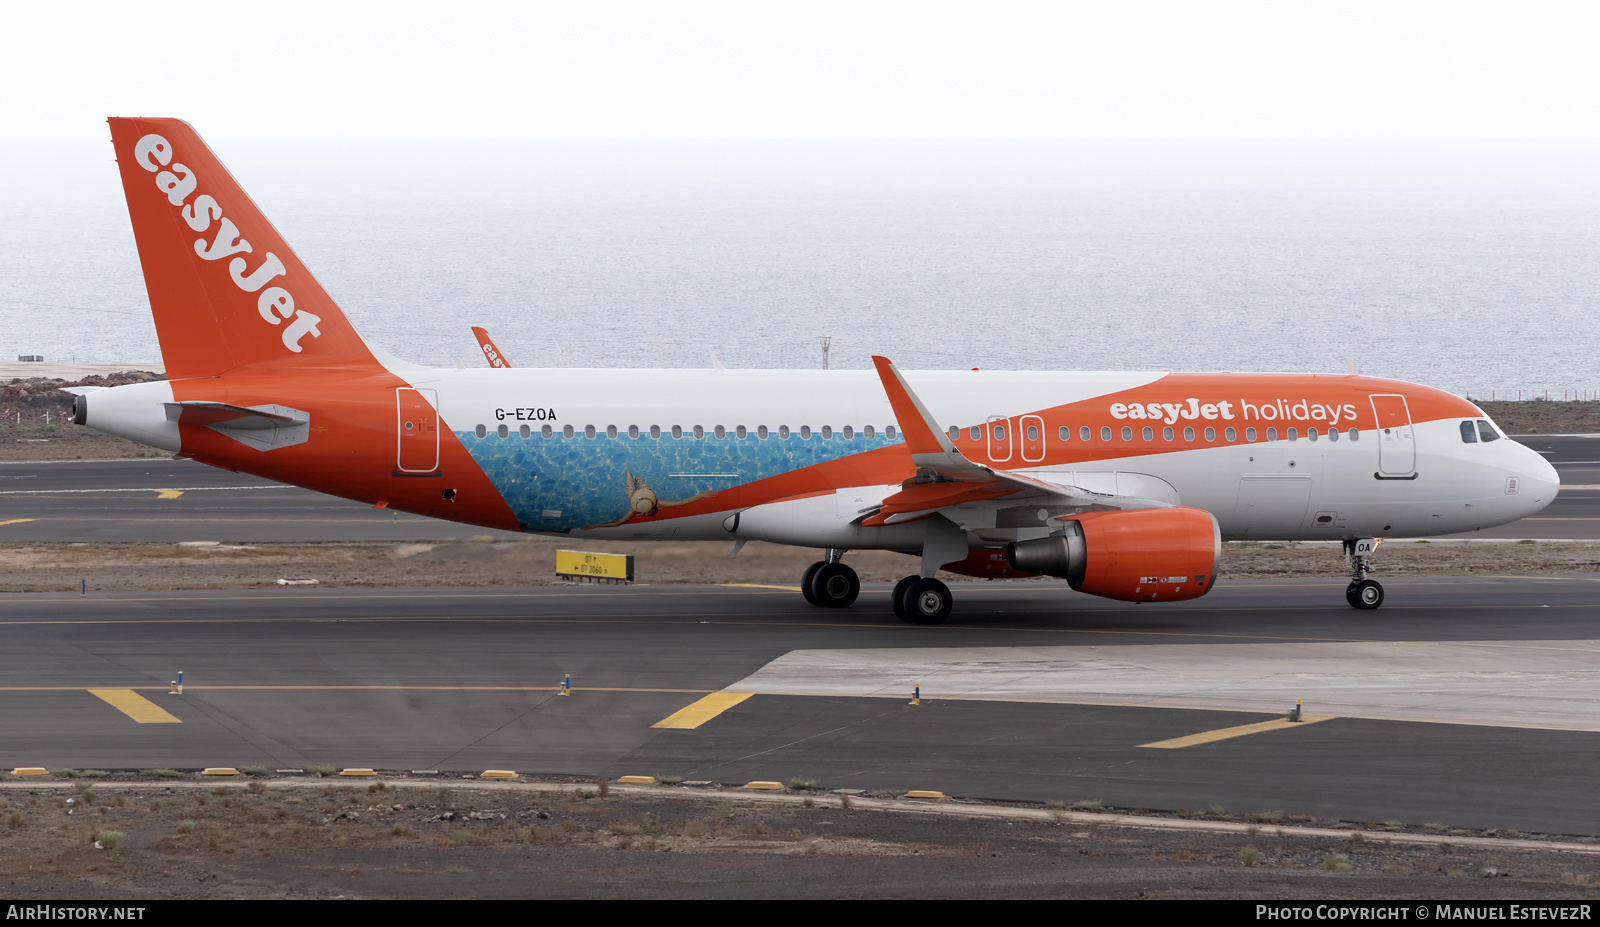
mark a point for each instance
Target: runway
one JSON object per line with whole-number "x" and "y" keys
{"x": 1466, "y": 700}
{"x": 180, "y": 500}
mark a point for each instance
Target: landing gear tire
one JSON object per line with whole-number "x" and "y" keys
{"x": 805, "y": 581}
{"x": 926, "y": 601}
{"x": 1366, "y": 594}
{"x": 834, "y": 585}
{"x": 898, "y": 597}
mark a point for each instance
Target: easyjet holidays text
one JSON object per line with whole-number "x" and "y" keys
{"x": 1271, "y": 410}
{"x": 275, "y": 303}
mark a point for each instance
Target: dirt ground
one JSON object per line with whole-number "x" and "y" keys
{"x": 305, "y": 837}
{"x": 62, "y": 567}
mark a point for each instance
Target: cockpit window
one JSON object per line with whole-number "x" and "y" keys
{"x": 1486, "y": 432}
{"x": 1469, "y": 434}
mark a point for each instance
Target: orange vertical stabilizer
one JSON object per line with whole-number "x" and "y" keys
{"x": 226, "y": 291}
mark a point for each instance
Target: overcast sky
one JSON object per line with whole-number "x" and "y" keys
{"x": 812, "y": 70}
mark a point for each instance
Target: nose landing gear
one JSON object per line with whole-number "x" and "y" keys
{"x": 1362, "y": 593}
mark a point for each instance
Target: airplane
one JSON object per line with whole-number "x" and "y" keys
{"x": 1125, "y": 483}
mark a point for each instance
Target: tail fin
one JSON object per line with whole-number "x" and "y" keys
{"x": 491, "y": 351}
{"x": 226, "y": 291}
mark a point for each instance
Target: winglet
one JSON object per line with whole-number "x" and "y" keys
{"x": 929, "y": 446}
{"x": 491, "y": 351}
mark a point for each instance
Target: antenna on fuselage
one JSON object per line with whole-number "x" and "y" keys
{"x": 826, "y": 340}
{"x": 1350, "y": 367}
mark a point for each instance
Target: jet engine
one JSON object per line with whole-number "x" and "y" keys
{"x": 1140, "y": 555}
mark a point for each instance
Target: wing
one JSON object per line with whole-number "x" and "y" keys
{"x": 945, "y": 477}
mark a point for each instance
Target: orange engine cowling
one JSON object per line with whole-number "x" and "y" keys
{"x": 1140, "y": 555}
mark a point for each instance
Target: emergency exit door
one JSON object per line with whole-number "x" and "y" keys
{"x": 418, "y": 425}
{"x": 1397, "y": 449}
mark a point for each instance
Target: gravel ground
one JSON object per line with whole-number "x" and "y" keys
{"x": 311, "y": 838}
{"x": 60, "y": 567}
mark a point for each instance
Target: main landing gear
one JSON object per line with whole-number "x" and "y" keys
{"x": 1362, "y": 593}
{"x": 831, "y": 584}
{"x": 921, "y": 601}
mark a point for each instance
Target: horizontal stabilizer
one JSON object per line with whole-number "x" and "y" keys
{"x": 264, "y": 428}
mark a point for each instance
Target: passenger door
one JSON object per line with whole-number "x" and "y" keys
{"x": 1397, "y": 449}
{"x": 418, "y": 426}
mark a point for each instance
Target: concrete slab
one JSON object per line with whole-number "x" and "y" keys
{"x": 1536, "y": 684}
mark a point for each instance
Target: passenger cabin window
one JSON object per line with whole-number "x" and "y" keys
{"x": 611, "y": 431}
{"x": 740, "y": 432}
{"x": 1231, "y": 435}
{"x": 889, "y": 432}
{"x": 1166, "y": 433}
{"x": 977, "y": 432}
{"x": 566, "y": 432}
{"x": 1065, "y": 433}
{"x": 1249, "y": 434}
{"x": 699, "y": 431}
{"x": 1355, "y": 434}
{"x": 1084, "y": 433}
{"x": 1294, "y": 434}
{"x": 633, "y": 431}
{"x": 547, "y": 431}
{"x": 1211, "y": 434}
{"x": 1105, "y": 432}
{"x": 677, "y": 431}
{"x": 849, "y": 432}
{"x": 1469, "y": 433}
{"x": 1272, "y": 434}
{"x": 1188, "y": 434}
{"x": 655, "y": 431}
{"x": 1148, "y": 433}
{"x": 1127, "y": 433}
{"x": 827, "y": 431}
{"x": 1311, "y": 433}
{"x": 1033, "y": 432}
{"x": 783, "y": 432}
{"x": 588, "y": 431}
{"x": 868, "y": 432}
{"x": 805, "y": 432}
{"x": 1486, "y": 432}
{"x": 999, "y": 432}
{"x": 503, "y": 431}
{"x": 761, "y": 432}
{"x": 720, "y": 432}
{"x": 955, "y": 432}
{"x": 1333, "y": 434}
{"x": 481, "y": 431}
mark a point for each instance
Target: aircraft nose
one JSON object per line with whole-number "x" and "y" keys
{"x": 1540, "y": 481}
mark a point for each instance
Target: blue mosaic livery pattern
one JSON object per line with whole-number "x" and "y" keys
{"x": 559, "y": 483}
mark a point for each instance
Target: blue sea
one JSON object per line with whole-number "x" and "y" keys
{"x": 1465, "y": 265}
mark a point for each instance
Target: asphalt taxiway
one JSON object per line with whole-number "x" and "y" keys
{"x": 158, "y": 499}
{"x": 1469, "y": 701}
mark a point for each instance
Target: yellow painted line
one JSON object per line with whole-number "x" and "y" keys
{"x": 702, "y": 711}
{"x": 17, "y": 521}
{"x": 760, "y": 586}
{"x": 1227, "y": 733}
{"x": 135, "y": 706}
{"x": 169, "y": 493}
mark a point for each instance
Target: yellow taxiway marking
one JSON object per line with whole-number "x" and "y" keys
{"x": 702, "y": 711}
{"x": 169, "y": 493}
{"x": 760, "y": 586}
{"x": 17, "y": 521}
{"x": 1227, "y": 733}
{"x": 135, "y": 706}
